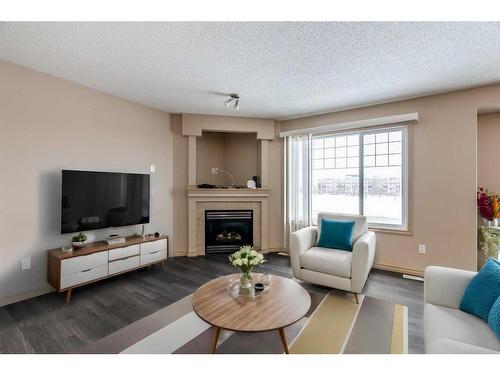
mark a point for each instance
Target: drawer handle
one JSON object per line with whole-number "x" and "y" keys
{"x": 154, "y": 252}
{"x": 90, "y": 269}
{"x": 117, "y": 260}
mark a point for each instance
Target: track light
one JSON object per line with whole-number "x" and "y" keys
{"x": 234, "y": 101}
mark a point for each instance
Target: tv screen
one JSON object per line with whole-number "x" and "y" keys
{"x": 96, "y": 200}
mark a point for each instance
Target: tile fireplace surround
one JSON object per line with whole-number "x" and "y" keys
{"x": 200, "y": 200}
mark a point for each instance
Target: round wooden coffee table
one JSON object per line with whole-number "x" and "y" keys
{"x": 284, "y": 304}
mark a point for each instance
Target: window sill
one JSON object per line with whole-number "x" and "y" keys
{"x": 402, "y": 232}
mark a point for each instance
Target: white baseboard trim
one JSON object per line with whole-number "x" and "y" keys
{"x": 401, "y": 270}
{"x": 272, "y": 250}
{"x": 411, "y": 277}
{"x": 26, "y": 295}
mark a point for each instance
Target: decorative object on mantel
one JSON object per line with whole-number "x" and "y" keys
{"x": 246, "y": 258}
{"x": 257, "y": 181}
{"x": 488, "y": 204}
{"x": 79, "y": 241}
{"x": 487, "y": 245}
{"x": 251, "y": 184}
{"x": 218, "y": 171}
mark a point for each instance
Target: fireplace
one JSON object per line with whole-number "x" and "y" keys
{"x": 227, "y": 230}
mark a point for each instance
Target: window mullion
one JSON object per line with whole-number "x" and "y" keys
{"x": 361, "y": 175}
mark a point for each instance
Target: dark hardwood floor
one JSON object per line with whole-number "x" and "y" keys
{"x": 46, "y": 324}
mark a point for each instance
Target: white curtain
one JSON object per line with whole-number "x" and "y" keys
{"x": 298, "y": 183}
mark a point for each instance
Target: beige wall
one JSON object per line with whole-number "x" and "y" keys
{"x": 241, "y": 152}
{"x": 48, "y": 124}
{"x": 210, "y": 153}
{"x": 488, "y": 151}
{"x": 233, "y": 152}
{"x": 443, "y": 177}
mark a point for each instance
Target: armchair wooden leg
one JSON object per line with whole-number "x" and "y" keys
{"x": 356, "y": 297}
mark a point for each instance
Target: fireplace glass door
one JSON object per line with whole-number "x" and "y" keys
{"x": 227, "y": 230}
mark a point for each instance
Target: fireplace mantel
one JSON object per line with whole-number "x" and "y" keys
{"x": 248, "y": 193}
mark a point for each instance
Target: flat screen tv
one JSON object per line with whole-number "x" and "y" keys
{"x": 97, "y": 200}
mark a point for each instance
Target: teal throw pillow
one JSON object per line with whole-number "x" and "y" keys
{"x": 494, "y": 318}
{"x": 482, "y": 291}
{"x": 336, "y": 234}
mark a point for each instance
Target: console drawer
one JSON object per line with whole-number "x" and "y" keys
{"x": 153, "y": 257}
{"x": 123, "y": 252}
{"x": 84, "y": 276}
{"x": 120, "y": 265}
{"x": 150, "y": 247}
{"x": 84, "y": 262}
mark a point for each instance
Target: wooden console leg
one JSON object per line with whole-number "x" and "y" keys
{"x": 68, "y": 295}
{"x": 356, "y": 297}
{"x": 283, "y": 340}
{"x": 215, "y": 338}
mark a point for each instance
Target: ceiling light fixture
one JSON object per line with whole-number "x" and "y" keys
{"x": 233, "y": 100}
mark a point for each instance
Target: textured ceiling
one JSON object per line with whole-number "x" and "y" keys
{"x": 280, "y": 69}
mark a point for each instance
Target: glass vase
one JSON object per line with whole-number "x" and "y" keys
{"x": 246, "y": 280}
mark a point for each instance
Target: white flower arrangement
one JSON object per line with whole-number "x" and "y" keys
{"x": 246, "y": 258}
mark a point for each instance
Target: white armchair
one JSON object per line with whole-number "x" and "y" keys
{"x": 334, "y": 268}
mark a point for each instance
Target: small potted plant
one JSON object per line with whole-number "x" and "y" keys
{"x": 488, "y": 242}
{"x": 79, "y": 241}
{"x": 246, "y": 258}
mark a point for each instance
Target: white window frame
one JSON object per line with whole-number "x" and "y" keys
{"x": 404, "y": 165}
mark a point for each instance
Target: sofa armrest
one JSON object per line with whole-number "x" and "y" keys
{"x": 300, "y": 241}
{"x": 363, "y": 253}
{"x": 445, "y": 286}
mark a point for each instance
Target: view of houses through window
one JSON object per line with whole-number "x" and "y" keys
{"x": 340, "y": 162}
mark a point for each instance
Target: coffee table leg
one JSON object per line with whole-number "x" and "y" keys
{"x": 283, "y": 340}
{"x": 215, "y": 338}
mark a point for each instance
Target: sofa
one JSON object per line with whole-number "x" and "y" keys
{"x": 448, "y": 330}
{"x": 339, "y": 269}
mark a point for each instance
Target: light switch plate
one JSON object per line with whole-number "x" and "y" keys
{"x": 422, "y": 249}
{"x": 152, "y": 168}
{"x": 25, "y": 264}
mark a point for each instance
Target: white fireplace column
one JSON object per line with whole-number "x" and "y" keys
{"x": 192, "y": 160}
{"x": 264, "y": 162}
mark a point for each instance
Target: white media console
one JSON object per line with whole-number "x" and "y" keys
{"x": 99, "y": 260}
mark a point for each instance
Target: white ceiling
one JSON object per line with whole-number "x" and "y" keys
{"x": 280, "y": 69}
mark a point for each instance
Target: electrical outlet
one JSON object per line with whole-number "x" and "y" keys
{"x": 25, "y": 264}
{"x": 152, "y": 168}
{"x": 422, "y": 249}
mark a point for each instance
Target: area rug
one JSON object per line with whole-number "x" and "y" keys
{"x": 335, "y": 324}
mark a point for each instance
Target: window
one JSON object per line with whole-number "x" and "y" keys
{"x": 361, "y": 173}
